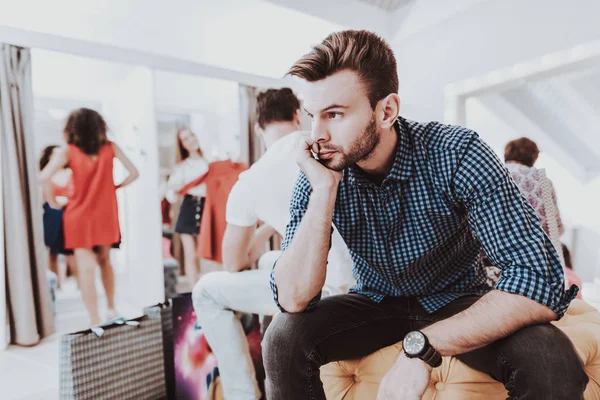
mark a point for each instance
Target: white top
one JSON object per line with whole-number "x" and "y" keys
{"x": 185, "y": 172}
{"x": 264, "y": 192}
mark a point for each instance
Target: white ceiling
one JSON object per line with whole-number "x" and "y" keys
{"x": 588, "y": 87}
{"x": 389, "y": 5}
{"x": 567, "y": 109}
{"x": 266, "y": 36}
{"x": 251, "y": 36}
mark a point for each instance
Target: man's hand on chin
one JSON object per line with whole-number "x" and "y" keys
{"x": 406, "y": 380}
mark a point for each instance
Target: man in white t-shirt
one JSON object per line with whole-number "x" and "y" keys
{"x": 262, "y": 193}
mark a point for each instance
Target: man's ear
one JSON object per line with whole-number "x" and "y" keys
{"x": 258, "y": 130}
{"x": 297, "y": 118}
{"x": 389, "y": 110}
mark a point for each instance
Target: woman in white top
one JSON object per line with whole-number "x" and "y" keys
{"x": 190, "y": 166}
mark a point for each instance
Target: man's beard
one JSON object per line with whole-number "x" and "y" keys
{"x": 360, "y": 149}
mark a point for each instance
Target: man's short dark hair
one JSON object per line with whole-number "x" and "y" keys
{"x": 276, "y": 105}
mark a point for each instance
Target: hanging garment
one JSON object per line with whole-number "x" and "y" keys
{"x": 219, "y": 180}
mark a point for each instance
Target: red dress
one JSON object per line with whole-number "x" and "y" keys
{"x": 91, "y": 217}
{"x": 219, "y": 180}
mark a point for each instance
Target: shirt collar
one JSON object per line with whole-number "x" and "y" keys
{"x": 402, "y": 166}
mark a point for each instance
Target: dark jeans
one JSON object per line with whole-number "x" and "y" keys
{"x": 537, "y": 362}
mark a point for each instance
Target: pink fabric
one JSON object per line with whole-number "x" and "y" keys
{"x": 529, "y": 181}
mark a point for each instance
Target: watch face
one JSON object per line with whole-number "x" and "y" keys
{"x": 414, "y": 343}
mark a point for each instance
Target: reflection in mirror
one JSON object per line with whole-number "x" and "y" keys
{"x": 198, "y": 122}
{"x": 62, "y": 84}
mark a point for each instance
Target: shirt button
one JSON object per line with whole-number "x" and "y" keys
{"x": 197, "y": 216}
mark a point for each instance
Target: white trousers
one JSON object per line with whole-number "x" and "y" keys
{"x": 216, "y": 297}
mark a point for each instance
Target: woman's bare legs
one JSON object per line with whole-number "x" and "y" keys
{"x": 71, "y": 267}
{"x": 53, "y": 267}
{"x": 190, "y": 266}
{"x": 86, "y": 275}
{"x": 108, "y": 277}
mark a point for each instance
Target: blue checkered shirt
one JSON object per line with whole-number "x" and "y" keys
{"x": 420, "y": 233}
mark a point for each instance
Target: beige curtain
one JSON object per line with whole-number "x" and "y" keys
{"x": 28, "y": 294}
{"x": 255, "y": 148}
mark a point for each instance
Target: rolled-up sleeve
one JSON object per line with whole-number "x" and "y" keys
{"x": 509, "y": 230}
{"x": 298, "y": 205}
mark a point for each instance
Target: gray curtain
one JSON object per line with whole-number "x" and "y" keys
{"x": 29, "y": 301}
{"x": 252, "y": 146}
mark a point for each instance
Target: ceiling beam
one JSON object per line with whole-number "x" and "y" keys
{"x": 26, "y": 38}
{"x": 581, "y": 115}
{"x": 519, "y": 122}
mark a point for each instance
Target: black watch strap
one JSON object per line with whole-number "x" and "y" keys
{"x": 432, "y": 357}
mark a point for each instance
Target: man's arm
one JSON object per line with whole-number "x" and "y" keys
{"x": 531, "y": 286}
{"x": 495, "y": 316}
{"x": 299, "y": 274}
{"x": 58, "y": 160}
{"x": 257, "y": 246}
{"x": 488, "y": 320}
{"x": 530, "y": 289}
{"x": 243, "y": 245}
{"x": 300, "y": 271}
{"x": 49, "y": 196}
{"x": 129, "y": 166}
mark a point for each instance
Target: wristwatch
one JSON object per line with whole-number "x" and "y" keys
{"x": 416, "y": 345}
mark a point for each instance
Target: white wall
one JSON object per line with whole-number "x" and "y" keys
{"x": 486, "y": 35}
{"x": 213, "y": 105}
{"x": 229, "y": 124}
{"x": 140, "y": 205}
{"x": 495, "y": 131}
{"x": 69, "y": 77}
{"x": 63, "y": 82}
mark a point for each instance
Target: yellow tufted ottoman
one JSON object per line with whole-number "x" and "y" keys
{"x": 453, "y": 380}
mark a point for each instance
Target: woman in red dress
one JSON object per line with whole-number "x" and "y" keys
{"x": 90, "y": 220}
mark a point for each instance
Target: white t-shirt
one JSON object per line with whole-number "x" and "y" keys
{"x": 264, "y": 192}
{"x": 185, "y": 172}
